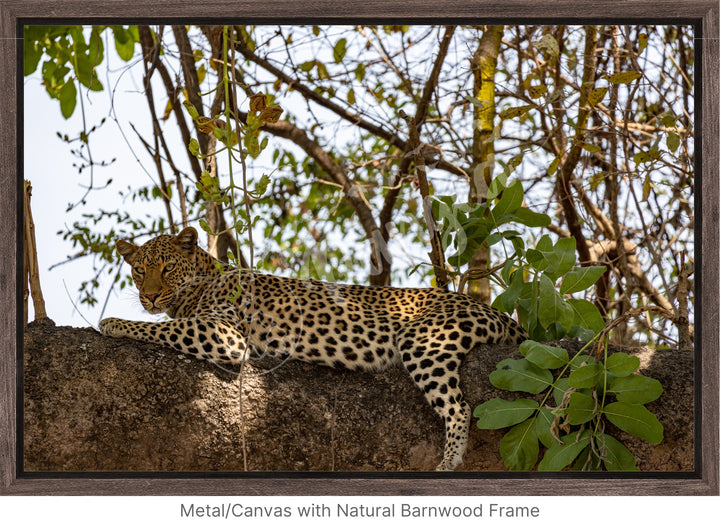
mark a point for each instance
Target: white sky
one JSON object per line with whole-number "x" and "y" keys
{"x": 56, "y": 183}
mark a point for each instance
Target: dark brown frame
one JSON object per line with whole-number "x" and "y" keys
{"x": 702, "y": 13}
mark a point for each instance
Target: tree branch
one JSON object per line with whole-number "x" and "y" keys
{"x": 187, "y": 61}
{"x": 381, "y": 258}
{"x": 420, "y": 115}
{"x": 313, "y": 96}
{"x": 565, "y": 173}
{"x": 392, "y": 138}
{"x": 437, "y": 257}
{"x": 172, "y": 91}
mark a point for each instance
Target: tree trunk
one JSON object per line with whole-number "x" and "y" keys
{"x": 484, "y": 66}
{"x": 95, "y": 403}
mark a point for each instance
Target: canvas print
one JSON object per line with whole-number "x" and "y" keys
{"x": 359, "y": 248}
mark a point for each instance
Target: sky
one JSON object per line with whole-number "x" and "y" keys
{"x": 48, "y": 165}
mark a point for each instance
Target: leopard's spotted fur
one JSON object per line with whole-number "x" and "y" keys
{"x": 429, "y": 331}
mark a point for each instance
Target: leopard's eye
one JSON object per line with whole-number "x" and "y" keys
{"x": 138, "y": 270}
{"x": 170, "y": 266}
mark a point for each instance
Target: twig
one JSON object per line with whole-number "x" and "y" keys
{"x": 633, "y": 312}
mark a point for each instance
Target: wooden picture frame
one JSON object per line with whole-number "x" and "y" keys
{"x": 703, "y": 14}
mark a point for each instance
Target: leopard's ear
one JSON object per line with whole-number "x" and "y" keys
{"x": 127, "y": 250}
{"x": 186, "y": 240}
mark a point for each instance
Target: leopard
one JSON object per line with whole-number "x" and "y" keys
{"x": 227, "y": 316}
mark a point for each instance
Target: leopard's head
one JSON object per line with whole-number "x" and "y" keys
{"x": 160, "y": 265}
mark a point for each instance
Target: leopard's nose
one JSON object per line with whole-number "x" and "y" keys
{"x": 152, "y": 297}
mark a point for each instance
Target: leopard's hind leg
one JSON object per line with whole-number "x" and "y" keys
{"x": 433, "y": 361}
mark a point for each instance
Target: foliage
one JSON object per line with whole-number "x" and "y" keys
{"x": 528, "y": 277}
{"x": 595, "y": 123}
{"x": 587, "y": 393}
{"x": 72, "y": 58}
{"x": 539, "y": 282}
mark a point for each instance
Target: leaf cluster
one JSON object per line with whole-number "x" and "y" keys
{"x": 538, "y": 281}
{"x": 72, "y": 56}
{"x": 586, "y": 393}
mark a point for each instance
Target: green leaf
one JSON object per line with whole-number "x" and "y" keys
{"x": 307, "y": 66}
{"x": 505, "y": 302}
{"x": 544, "y": 356}
{"x": 499, "y": 413}
{"x": 622, "y": 364}
{"x": 68, "y": 98}
{"x": 581, "y": 409}
{"x": 543, "y": 422}
{"x": 322, "y": 70}
{"x": 585, "y": 376}
{"x": 360, "y": 72}
{"x": 497, "y": 185}
{"x": 538, "y": 256}
{"x": 562, "y": 455}
{"x": 592, "y": 148}
{"x": 85, "y": 71}
{"x": 635, "y": 389}
{"x": 646, "y": 157}
{"x": 514, "y": 112}
{"x": 252, "y": 144}
{"x": 673, "y": 141}
{"x": 262, "y": 185}
{"x": 549, "y": 44}
{"x": 191, "y": 109}
{"x": 581, "y": 278}
{"x": 642, "y": 42}
{"x": 124, "y": 43}
{"x": 537, "y": 91}
{"x": 563, "y": 257}
{"x": 668, "y": 119}
{"x": 507, "y": 270}
{"x": 526, "y": 217}
{"x": 194, "y": 147}
{"x": 635, "y": 420}
{"x": 520, "y": 376}
{"x": 582, "y": 360}
{"x": 623, "y": 77}
{"x": 587, "y": 315}
{"x": 204, "y": 226}
{"x": 32, "y": 53}
{"x": 96, "y": 50}
{"x": 510, "y": 200}
{"x": 614, "y": 454}
{"x": 553, "y": 166}
{"x": 339, "y": 50}
{"x": 596, "y": 95}
{"x": 519, "y": 448}
{"x": 553, "y": 307}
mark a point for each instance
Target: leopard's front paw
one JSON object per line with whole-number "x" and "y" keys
{"x": 112, "y": 327}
